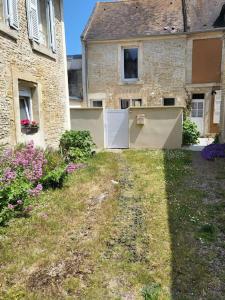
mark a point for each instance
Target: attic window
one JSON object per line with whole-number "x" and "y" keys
{"x": 220, "y": 22}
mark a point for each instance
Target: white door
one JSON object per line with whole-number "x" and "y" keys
{"x": 197, "y": 114}
{"x": 116, "y": 129}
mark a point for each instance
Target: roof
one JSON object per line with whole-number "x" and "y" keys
{"x": 202, "y": 14}
{"x": 134, "y": 18}
{"x": 137, "y": 18}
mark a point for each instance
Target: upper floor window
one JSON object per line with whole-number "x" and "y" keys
{"x": 41, "y": 22}
{"x": 9, "y": 13}
{"x": 130, "y": 63}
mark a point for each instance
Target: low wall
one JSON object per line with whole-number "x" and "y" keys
{"x": 89, "y": 119}
{"x": 162, "y": 127}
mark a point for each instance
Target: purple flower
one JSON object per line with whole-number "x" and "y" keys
{"x": 73, "y": 167}
{"x": 9, "y": 174}
{"x": 10, "y": 206}
{"x": 36, "y": 191}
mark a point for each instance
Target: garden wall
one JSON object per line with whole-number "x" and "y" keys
{"x": 89, "y": 119}
{"x": 161, "y": 128}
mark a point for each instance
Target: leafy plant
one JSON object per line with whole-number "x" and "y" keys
{"x": 55, "y": 178}
{"x": 152, "y": 291}
{"x": 76, "y": 145}
{"x": 190, "y": 133}
{"x": 208, "y": 232}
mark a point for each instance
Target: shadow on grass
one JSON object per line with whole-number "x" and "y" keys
{"x": 193, "y": 225}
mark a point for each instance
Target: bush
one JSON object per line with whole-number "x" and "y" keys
{"x": 24, "y": 172}
{"x": 190, "y": 133}
{"x": 76, "y": 146}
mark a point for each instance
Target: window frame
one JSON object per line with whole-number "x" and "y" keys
{"x": 137, "y": 100}
{"x": 128, "y": 100}
{"x": 25, "y": 94}
{"x": 169, "y": 98}
{"x": 94, "y": 101}
{"x": 123, "y": 48}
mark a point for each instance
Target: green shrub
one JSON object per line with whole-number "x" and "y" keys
{"x": 76, "y": 146}
{"x": 152, "y": 291}
{"x": 55, "y": 178}
{"x": 190, "y": 133}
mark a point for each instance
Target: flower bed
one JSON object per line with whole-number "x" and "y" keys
{"x": 24, "y": 173}
{"x": 213, "y": 151}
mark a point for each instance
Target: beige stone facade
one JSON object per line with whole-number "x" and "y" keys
{"x": 24, "y": 62}
{"x": 179, "y": 59}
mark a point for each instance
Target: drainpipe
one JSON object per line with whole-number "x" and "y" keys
{"x": 184, "y": 10}
{"x": 84, "y": 72}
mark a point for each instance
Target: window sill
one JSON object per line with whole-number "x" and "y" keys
{"x": 6, "y": 30}
{"x": 43, "y": 50}
{"x": 127, "y": 82}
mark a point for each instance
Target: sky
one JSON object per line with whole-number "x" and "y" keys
{"x": 77, "y": 13}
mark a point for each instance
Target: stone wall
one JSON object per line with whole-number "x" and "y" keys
{"x": 22, "y": 60}
{"x": 161, "y": 68}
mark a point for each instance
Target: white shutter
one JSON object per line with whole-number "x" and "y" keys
{"x": 52, "y": 25}
{"x": 217, "y": 107}
{"x": 13, "y": 14}
{"x": 32, "y": 19}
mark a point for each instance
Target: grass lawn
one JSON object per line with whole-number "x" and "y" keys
{"x": 132, "y": 225}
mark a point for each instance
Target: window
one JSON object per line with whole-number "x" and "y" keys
{"x": 28, "y": 101}
{"x": 169, "y": 101}
{"x": 41, "y": 22}
{"x": 9, "y": 13}
{"x": 25, "y": 104}
{"x": 124, "y": 103}
{"x": 130, "y": 64}
{"x": 197, "y": 109}
{"x": 97, "y": 103}
{"x": 137, "y": 102}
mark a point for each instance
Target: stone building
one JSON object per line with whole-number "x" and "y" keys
{"x": 74, "y": 67}
{"x": 155, "y": 53}
{"x": 33, "y": 73}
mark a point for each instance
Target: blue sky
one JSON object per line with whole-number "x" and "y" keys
{"x": 77, "y": 13}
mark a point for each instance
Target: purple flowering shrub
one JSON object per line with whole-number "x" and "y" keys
{"x": 24, "y": 173}
{"x": 213, "y": 151}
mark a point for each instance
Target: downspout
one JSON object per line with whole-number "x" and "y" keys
{"x": 184, "y": 10}
{"x": 84, "y": 72}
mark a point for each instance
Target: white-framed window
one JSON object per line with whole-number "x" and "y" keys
{"x": 41, "y": 22}
{"x": 130, "y": 62}
{"x": 169, "y": 101}
{"x": 9, "y": 13}
{"x": 217, "y": 107}
{"x": 124, "y": 103}
{"x": 25, "y": 99}
{"x": 97, "y": 103}
{"x": 137, "y": 102}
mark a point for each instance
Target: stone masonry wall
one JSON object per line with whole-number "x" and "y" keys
{"x": 17, "y": 58}
{"x": 162, "y": 72}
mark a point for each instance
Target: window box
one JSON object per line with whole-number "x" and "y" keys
{"x": 29, "y": 127}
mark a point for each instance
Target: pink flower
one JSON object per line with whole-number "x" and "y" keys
{"x": 25, "y": 122}
{"x": 73, "y": 167}
{"x": 10, "y": 206}
{"x": 19, "y": 202}
{"x": 36, "y": 191}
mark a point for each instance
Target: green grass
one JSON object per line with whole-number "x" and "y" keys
{"x": 152, "y": 236}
